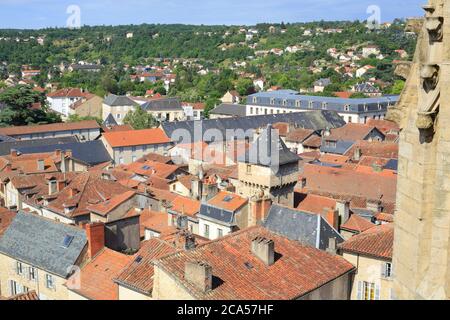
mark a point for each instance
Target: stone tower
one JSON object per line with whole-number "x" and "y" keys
{"x": 421, "y": 247}
{"x": 267, "y": 174}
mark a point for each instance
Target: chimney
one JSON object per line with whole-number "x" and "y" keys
{"x": 199, "y": 274}
{"x": 95, "y": 233}
{"x": 374, "y": 205}
{"x": 332, "y": 217}
{"x": 344, "y": 210}
{"x": 357, "y": 154}
{"x": 196, "y": 188}
{"x": 14, "y": 153}
{"x": 8, "y": 167}
{"x": 264, "y": 249}
{"x": 40, "y": 165}
{"x": 332, "y": 247}
{"x": 185, "y": 241}
{"x": 58, "y": 152}
{"x": 303, "y": 183}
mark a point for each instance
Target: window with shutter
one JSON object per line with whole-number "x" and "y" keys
{"x": 377, "y": 292}
{"x": 360, "y": 285}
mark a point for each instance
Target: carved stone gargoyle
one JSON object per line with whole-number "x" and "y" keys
{"x": 434, "y": 27}
{"x": 429, "y": 74}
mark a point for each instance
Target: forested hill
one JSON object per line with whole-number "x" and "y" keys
{"x": 109, "y": 44}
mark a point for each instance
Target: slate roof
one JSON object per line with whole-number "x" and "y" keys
{"x": 311, "y": 229}
{"x": 228, "y": 109}
{"x": 163, "y": 104}
{"x": 287, "y": 99}
{"x": 391, "y": 165}
{"x": 315, "y": 120}
{"x": 6, "y": 147}
{"x": 209, "y": 212}
{"x": 90, "y": 152}
{"x": 270, "y": 151}
{"x": 54, "y": 127}
{"x": 110, "y": 121}
{"x": 39, "y": 242}
{"x": 341, "y": 147}
{"x": 114, "y": 101}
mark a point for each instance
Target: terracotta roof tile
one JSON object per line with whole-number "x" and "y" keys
{"x": 298, "y": 269}
{"x": 138, "y": 274}
{"x": 376, "y": 242}
{"x": 107, "y": 206}
{"x": 97, "y": 275}
{"x": 357, "y": 224}
{"x": 6, "y": 217}
{"x": 136, "y": 138}
{"x": 351, "y": 132}
{"x": 228, "y": 201}
{"x": 316, "y": 204}
{"x": 69, "y": 126}
{"x": 299, "y": 135}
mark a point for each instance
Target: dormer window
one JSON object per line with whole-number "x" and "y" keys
{"x": 284, "y": 102}
{"x": 366, "y": 108}
{"x": 380, "y": 106}
{"x": 347, "y": 108}
{"x": 272, "y": 101}
{"x": 310, "y": 104}
{"x": 255, "y": 100}
{"x": 324, "y": 105}
{"x": 297, "y": 103}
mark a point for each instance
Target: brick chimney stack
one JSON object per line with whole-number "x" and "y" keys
{"x": 264, "y": 250}
{"x": 199, "y": 274}
{"x": 95, "y": 233}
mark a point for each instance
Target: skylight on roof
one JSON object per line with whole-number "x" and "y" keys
{"x": 67, "y": 241}
{"x": 227, "y": 198}
{"x": 146, "y": 168}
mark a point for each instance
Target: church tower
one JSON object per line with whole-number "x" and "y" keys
{"x": 421, "y": 258}
{"x": 267, "y": 174}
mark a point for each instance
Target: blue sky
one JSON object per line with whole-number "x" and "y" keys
{"x": 50, "y": 13}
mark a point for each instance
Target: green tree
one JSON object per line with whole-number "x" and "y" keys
{"x": 398, "y": 87}
{"x": 19, "y": 110}
{"x": 139, "y": 119}
{"x": 245, "y": 86}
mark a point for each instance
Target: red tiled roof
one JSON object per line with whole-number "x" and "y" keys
{"x": 136, "y": 138}
{"x": 343, "y": 94}
{"x": 351, "y": 132}
{"x": 384, "y": 217}
{"x": 298, "y": 269}
{"x": 6, "y": 217}
{"x": 107, "y": 206}
{"x": 151, "y": 168}
{"x": 185, "y": 205}
{"x": 375, "y": 149}
{"x": 68, "y": 92}
{"x": 69, "y": 126}
{"x": 316, "y": 204}
{"x": 235, "y": 202}
{"x": 314, "y": 141}
{"x": 384, "y": 126}
{"x": 334, "y": 158}
{"x": 138, "y": 275}
{"x": 341, "y": 182}
{"x": 88, "y": 188}
{"x": 29, "y": 296}
{"x": 155, "y": 221}
{"x": 376, "y": 242}
{"x": 299, "y": 135}
{"x": 97, "y": 276}
{"x": 357, "y": 224}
